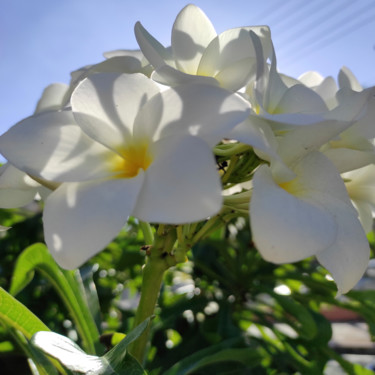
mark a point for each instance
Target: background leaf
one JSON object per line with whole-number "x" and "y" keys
{"x": 68, "y": 284}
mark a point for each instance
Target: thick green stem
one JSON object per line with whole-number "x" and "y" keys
{"x": 147, "y": 232}
{"x": 159, "y": 260}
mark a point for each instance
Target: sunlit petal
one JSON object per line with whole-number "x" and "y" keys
{"x": 348, "y": 257}
{"x": 105, "y": 105}
{"x": 182, "y": 185}
{"x": 191, "y": 33}
{"x": 154, "y": 52}
{"x": 80, "y": 219}
{"x": 196, "y": 109}
{"x": 169, "y": 76}
{"x": 16, "y": 188}
{"x": 53, "y": 147}
{"x": 53, "y": 98}
{"x": 286, "y": 228}
{"x": 230, "y": 47}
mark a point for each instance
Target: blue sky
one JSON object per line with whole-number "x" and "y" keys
{"x": 42, "y": 41}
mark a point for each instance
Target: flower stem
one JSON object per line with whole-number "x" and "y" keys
{"x": 159, "y": 260}
{"x": 147, "y": 232}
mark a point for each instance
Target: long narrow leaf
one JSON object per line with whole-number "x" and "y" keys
{"x": 14, "y": 314}
{"x": 22, "y": 321}
{"x": 68, "y": 284}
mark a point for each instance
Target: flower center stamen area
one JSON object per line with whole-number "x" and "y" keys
{"x": 131, "y": 159}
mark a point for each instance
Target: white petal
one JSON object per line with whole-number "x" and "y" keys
{"x": 230, "y": 47}
{"x": 206, "y": 111}
{"x": 365, "y": 215}
{"x": 300, "y": 99}
{"x": 361, "y": 184}
{"x": 16, "y": 188}
{"x": 327, "y": 91}
{"x": 288, "y": 224}
{"x": 347, "y": 79}
{"x": 364, "y": 126}
{"x": 53, "y": 147}
{"x": 347, "y": 259}
{"x": 269, "y": 86}
{"x": 14, "y": 198}
{"x": 346, "y": 159}
{"x": 191, "y": 33}
{"x": 297, "y": 143}
{"x": 80, "y": 219}
{"x": 182, "y": 185}
{"x": 137, "y": 54}
{"x": 169, "y": 76}
{"x": 154, "y": 52}
{"x": 318, "y": 175}
{"x": 238, "y": 74}
{"x": 352, "y": 105}
{"x": 117, "y": 64}
{"x": 105, "y": 105}
{"x": 289, "y": 81}
{"x": 286, "y": 228}
{"x": 11, "y": 177}
{"x": 311, "y": 79}
{"x": 53, "y": 98}
{"x": 255, "y": 132}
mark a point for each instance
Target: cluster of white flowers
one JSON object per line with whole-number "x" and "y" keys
{"x": 134, "y": 136}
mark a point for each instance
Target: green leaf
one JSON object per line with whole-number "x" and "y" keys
{"x": 114, "y": 356}
{"x": 350, "y": 368}
{"x": 303, "y": 323}
{"x": 117, "y": 361}
{"x": 211, "y": 355}
{"x": 68, "y": 284}
{"x": 90, "y": 292}
{"x": 38, "y": 363}
{"x": 14, "y": 314}
{"x": 23, "y": 325}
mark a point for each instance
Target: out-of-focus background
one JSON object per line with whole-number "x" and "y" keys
{"x": 42, "y": 41}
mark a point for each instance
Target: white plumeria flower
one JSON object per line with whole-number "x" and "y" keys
{"x": 128, "y": 150}
{"x": 197, "y": 52}
{"x": 309, "y": 215}
{"x": 121, "y": 61}
{"x": 291, "y": 119}
{"x": 18, "y": 189}
{"x": 360, "y": 185}
{"x": 354, "y": 148}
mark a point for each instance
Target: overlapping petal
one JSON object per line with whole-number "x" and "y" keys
{"x": 182, "y": 185}
{"x": 310, "y": 215}
{"x": 53, "y": 147}
{"x": 196, "y": 50}
{"x": 206, "y": 111}
{"x": 54, "y": 97}
{"x": 16, "y": 188}
{"x": 286, "y": 228}
{"x": 231, "y": 47}
{"x": 348, "y": 257}
{"x": 192, "y": 32}
{"x": 80, "y": 219}
{"x": 105, "y": 105}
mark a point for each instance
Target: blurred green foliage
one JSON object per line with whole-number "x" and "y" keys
{"x": 224, "y": 311}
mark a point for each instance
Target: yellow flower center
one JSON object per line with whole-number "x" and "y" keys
{"x": 131, "y": 159}
{"x": 290, "y": 186}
